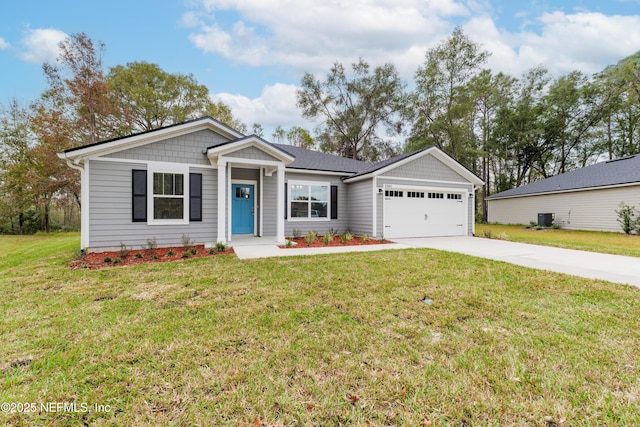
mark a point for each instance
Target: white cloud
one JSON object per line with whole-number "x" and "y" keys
{"x": 4, "y": 44}
{"x": 276, "y": 106}
{"x": 41, "y": 45}
{"x": 310, "y": 35}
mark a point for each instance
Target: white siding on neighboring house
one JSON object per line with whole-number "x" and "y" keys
{"x": 578, "y": 210}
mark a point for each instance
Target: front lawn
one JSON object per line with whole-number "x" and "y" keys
{"x": 401, "y": 337}
{"x": 594, "y": 241}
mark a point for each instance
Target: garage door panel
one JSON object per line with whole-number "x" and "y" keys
{"x": 410, "y": 213}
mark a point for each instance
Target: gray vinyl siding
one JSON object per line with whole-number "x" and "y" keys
{"x": 341, "y": 224}
{"x": 110, "y": 204}
{"x": 190, "y": 148}
{"x": 269, "y": 205}
{"x": 359, "y": 207}
{"x": 245, "y": 174}
{"x": 425, "y": 167}
{"x": 576, "y": 210}
{"x": 252, "y": 153}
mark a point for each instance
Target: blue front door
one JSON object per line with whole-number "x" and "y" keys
{"x": 242, "y": 209}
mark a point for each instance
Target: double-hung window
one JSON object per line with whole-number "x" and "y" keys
{"x": 168, "y": 196}
{"x": 309, "y": 200}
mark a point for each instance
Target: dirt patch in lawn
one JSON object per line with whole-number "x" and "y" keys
{"x": 95, "y": 260}
{"x": 300, "y": 242}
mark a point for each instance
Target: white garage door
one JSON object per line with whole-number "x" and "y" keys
{"x": 424, "y": 212}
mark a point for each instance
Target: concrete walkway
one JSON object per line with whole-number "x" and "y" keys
{"x": 267, "y": 251}
{"x": 590, "y": 265}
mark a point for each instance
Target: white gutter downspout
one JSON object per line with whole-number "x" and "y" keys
{"x": 84, "y": 200}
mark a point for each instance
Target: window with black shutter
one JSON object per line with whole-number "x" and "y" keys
{"x": 139, "y": 195}
{"x": 334, "y": 202}
{"x": 195, "y": 197}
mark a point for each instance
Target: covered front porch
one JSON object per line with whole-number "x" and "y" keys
{"x": 250, "y": 191}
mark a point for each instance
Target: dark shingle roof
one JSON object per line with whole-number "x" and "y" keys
{"x": 315, "y": 160}
{"x": 613, "y": 172}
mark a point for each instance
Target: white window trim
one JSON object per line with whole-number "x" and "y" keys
{"x": 290, "y": 185}
{"x": 175, "y": 168}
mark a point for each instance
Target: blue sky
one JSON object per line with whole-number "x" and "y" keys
{"x": 252, "y": 53}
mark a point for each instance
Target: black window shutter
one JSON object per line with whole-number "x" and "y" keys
{"x": 334, "y": 202}
{"x": 139, "y": 195}
{"x": 195, "y": 197}
{"x": 286, "y": 205}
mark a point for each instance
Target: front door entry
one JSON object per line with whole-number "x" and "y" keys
{"x": 242, "y": 209}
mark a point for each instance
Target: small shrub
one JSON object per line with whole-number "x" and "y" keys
{"x": 170, "y": 253}
{"x": 185, "y": 255}
{"x": 333, "y": 231}
{"x": 107, "y": 259}
{"x": 538, "y": 227}
{"x": 296, "y": 233}
{"x": 326, "y": 239}
{"x": 138, "y": 255}
{"x": 186, "y": 242}
{"x": 154, "y": 257}
{"x": 194, "y": 251}
{"x": 488, "y": 234}
{"x": 555, "y": 226}
{"x": 364, "y": 238}
{"x": 212, "y": 251}
{"x": 382, "y": 238}
{"x": 310, "y": 237}
{"x": 220, "y": 246}
{"x": 289, "y": 243}
{"x": 151, "y": 245}
{"x": 627, "y": 217}
{"x": 117, "y": 260}
{"x": 124, "y": 250}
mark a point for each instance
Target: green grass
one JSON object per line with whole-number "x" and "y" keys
{"x": 594, "y": 241}
{"x": 343, "y": 339}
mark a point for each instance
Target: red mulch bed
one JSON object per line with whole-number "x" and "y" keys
{"x": 95, "y": 260}
{"x": 337, "y": 241}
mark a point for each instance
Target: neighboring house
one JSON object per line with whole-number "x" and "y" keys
{"x": 212, "y": 183}
{"x": 584, "y": 199}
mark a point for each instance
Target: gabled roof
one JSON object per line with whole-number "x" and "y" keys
{"x": 293, "y": 157}
{"x": 251, "y": 140}
{"x": 623, "y": 171}
{"x": 141, "y": 138}
{"x": 394, "y": 162}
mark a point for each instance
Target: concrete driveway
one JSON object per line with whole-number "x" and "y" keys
{"x": 591, "y": 265}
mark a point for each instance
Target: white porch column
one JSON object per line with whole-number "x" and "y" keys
{"x": 222, "y": 191}
{"x": 280, "y": 206}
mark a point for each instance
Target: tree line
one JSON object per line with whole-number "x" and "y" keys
{"x": 508, "y": 130}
